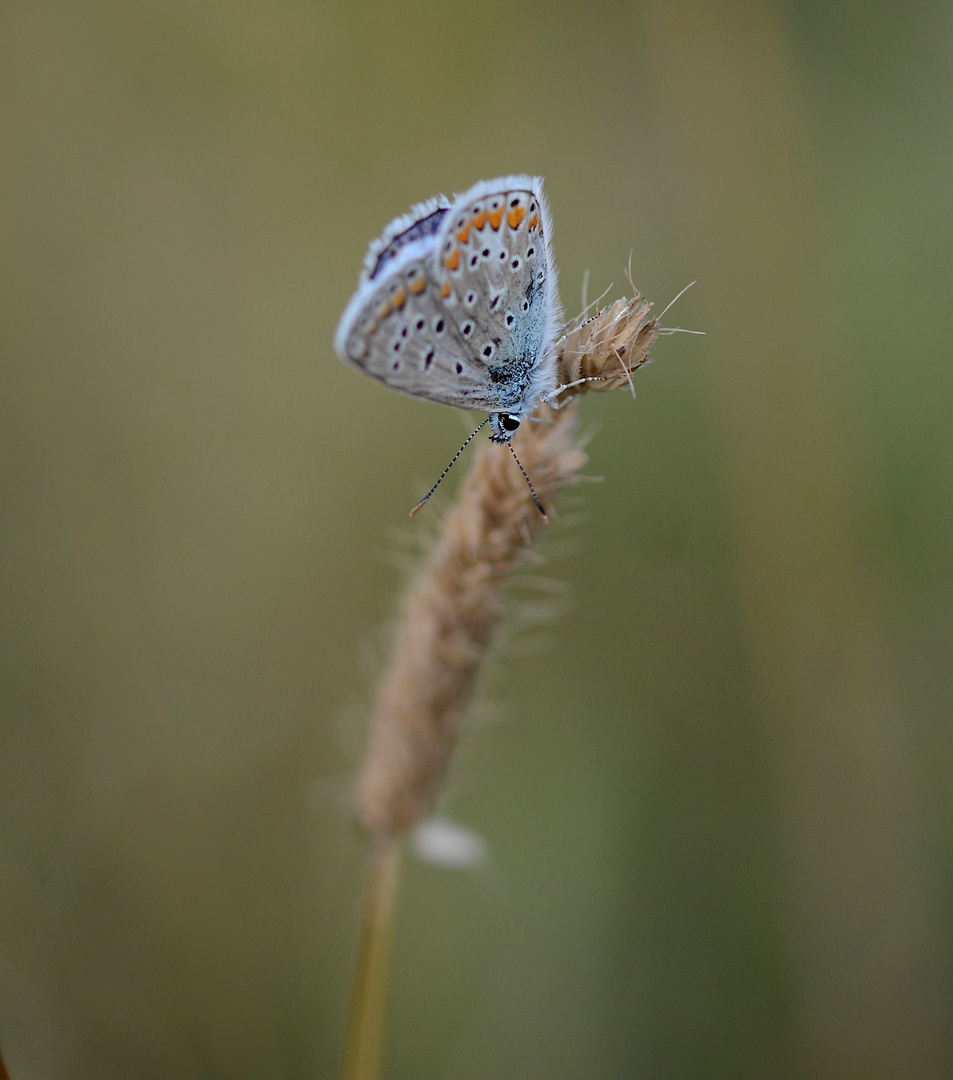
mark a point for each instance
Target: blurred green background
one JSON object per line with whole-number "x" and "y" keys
{"x": 717, "y": 788}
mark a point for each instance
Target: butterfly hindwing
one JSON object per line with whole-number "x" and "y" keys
{"x": 492, "y": 253}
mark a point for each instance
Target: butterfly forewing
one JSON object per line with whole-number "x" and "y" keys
{"x": 400, "y": 334}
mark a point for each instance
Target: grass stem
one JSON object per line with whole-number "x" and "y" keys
{"x": 363, "y": 1047}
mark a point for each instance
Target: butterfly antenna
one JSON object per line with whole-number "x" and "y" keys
{"x": 539, "y": 505}
{"x": 450, "y": 466}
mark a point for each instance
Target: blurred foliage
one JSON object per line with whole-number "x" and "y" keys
{"x": 718, "y": 797}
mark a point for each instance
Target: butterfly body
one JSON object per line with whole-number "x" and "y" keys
{"x": 457, "y": 303}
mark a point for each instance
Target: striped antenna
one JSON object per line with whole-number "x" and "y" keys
{"x": 448, "y": 468}
{"x": 532, "y": 490}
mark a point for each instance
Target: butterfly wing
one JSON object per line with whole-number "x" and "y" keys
{"x": 493, "y": 253}
{"x": 456, "y": 303}
{"x": 397, "y": 330}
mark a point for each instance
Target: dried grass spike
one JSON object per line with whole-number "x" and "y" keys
{"x": 601, "y": 353}
{"x": 448, "y": 619}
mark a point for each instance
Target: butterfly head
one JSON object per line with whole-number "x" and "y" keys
{"x": 504, "y": 426}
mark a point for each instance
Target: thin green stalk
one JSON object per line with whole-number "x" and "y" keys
{"x": 364, "y": 1041}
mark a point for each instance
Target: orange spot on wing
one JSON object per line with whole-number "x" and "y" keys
{"x": 533, "y": 222}
{"x": 452, "y": 261}
{"x": 418, "y": 285}
{"x": 384, "y": 310}
{"x": 495, "y": 218}
{"x": 515, "y": 216}
{"x": 479, "y": 220}
{"x": 464, "y": 234}
{"x": 445, "y": 289}
{"x": 399, "y": 299}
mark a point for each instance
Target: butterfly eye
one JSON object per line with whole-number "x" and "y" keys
{"x": 509, "y": 422}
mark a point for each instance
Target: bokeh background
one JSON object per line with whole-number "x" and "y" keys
{"x": 717, "y": 788}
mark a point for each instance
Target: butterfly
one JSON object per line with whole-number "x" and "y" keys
{"x": 457, "y": 303}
